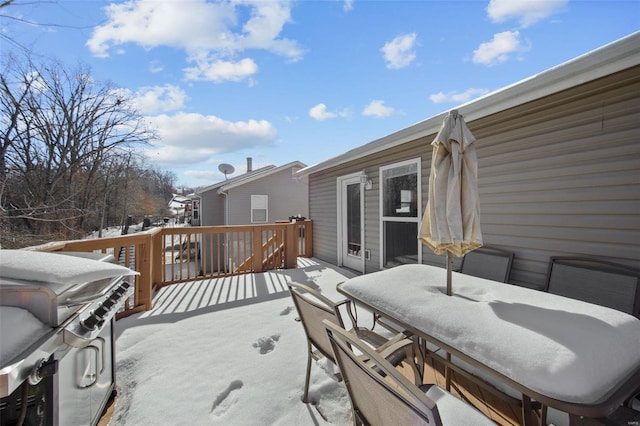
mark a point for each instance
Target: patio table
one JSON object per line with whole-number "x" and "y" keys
{"x": 577, "y": 357}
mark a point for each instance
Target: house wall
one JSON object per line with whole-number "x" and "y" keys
{"x": 211, "y": 208}
{"x": 557, "y": 176}
{"x": 287, "y": 197}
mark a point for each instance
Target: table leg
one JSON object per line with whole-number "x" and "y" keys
{"x": 527, "y": 411}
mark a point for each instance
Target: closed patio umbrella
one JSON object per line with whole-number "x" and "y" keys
{"x": 451, "y": 222}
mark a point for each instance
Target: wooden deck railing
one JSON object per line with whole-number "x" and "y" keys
{"x": 165, "y": 256}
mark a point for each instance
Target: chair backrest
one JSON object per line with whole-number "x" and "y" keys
{"x": 313, "y": 308}
{"x": 488, "y": 262}
{"x": 379, "y": 394}
{"x": 595, "y": 281}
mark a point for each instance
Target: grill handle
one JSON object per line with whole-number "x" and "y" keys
{"x": 92, "y": 373}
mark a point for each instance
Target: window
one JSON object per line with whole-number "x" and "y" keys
{"x": 259, "y": 206}
{"x": 354, "y": 238}
{"x": 400, "y": 204}
{"x": 196, "y": 209}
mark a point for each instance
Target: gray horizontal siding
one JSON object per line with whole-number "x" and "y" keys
{"x": 557, "y": 176}
{"x": 561, "y": 176}
{"x": 286, "y": 197}
{"x": 322, "y": 208}
{"x": 211, "y": 209}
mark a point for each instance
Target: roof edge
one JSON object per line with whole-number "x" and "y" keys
{"x": 241, "y": 177}
{"x": 256, "y": 176}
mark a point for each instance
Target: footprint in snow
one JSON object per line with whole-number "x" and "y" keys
{"x": 286, "y": 311}
{"x": 266, "y": 344}
{"x": 222, "y": 403}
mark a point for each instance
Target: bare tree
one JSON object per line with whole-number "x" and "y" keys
{"x": 62, "y": 133}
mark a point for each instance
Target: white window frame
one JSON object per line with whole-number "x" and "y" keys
{"x": 256, "y": 204}
{"x": 195, "y": 209}
{"x": 418, "y": 162}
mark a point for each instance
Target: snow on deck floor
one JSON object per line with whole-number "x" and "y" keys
{"x": 226, "y": 351}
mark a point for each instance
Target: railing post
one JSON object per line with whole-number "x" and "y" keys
{"x": 144, "y": 266}
{"x": 258, "y": 255}
{"x": 291, "y": 246}
{"x": 157, "y": 253}
{"x": 308, "y": 238}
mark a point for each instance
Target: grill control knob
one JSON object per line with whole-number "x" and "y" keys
{"x": 122, "y": 289}
{"x": 100, "y": 312}
{"x": 90, "y": 322}
{"x": 42, "y": 369}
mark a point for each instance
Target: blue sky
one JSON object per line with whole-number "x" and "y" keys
{"x": 281, "y": 81}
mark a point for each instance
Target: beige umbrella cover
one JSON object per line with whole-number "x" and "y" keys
{"x": 451, "y": 222}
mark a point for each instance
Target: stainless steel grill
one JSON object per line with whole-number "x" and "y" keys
{"x": 57, "y": 341}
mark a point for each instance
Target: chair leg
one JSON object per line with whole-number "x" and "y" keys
{"x": 305, "y": 397}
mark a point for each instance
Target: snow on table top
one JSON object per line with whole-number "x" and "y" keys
{"x": 56, "y": 268}
{"x": 18, "y": 329}
{"x": 560, "y": 347}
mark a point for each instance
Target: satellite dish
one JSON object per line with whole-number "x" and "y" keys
{"x": 227, "y": 169}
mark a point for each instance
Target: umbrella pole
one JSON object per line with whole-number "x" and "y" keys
{"x": 447, "y": 372}
{"x": 449, "y": 268}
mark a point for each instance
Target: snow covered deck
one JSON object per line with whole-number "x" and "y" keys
{"x": 228, "y": 351}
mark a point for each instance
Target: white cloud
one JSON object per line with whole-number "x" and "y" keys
{"x": 175, "y": 157}
{"x": 155, "y": 99}
{"x": 264, "y": 27}
{"x": 155, "y": 67}
{"x": 206, "y": 175}
{"x": 399, "y": 53}
{"x": 188, "y": 138}
{"x": 378, "y": 109}
{"x": 215, "y": 31}
{"x": 219, "y": 71}
{"x": 348, "y": 5}
{"x": 499, "y": 49}
{"x": 456, "y": 97}
{"x": 320, "y": 113}
{"x": 526, "y": 12}
{"x": 209, "y": 172}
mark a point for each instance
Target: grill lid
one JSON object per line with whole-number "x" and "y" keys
{"x": 59, "y": 273}
{"x": 52, "y": 286}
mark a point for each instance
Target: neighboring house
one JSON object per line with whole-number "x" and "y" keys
{"x": 178, "y": 206}
{"x": 261, "y": 196}
{"x": 559, "y": 174}
{"x": 265, "y": 195}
